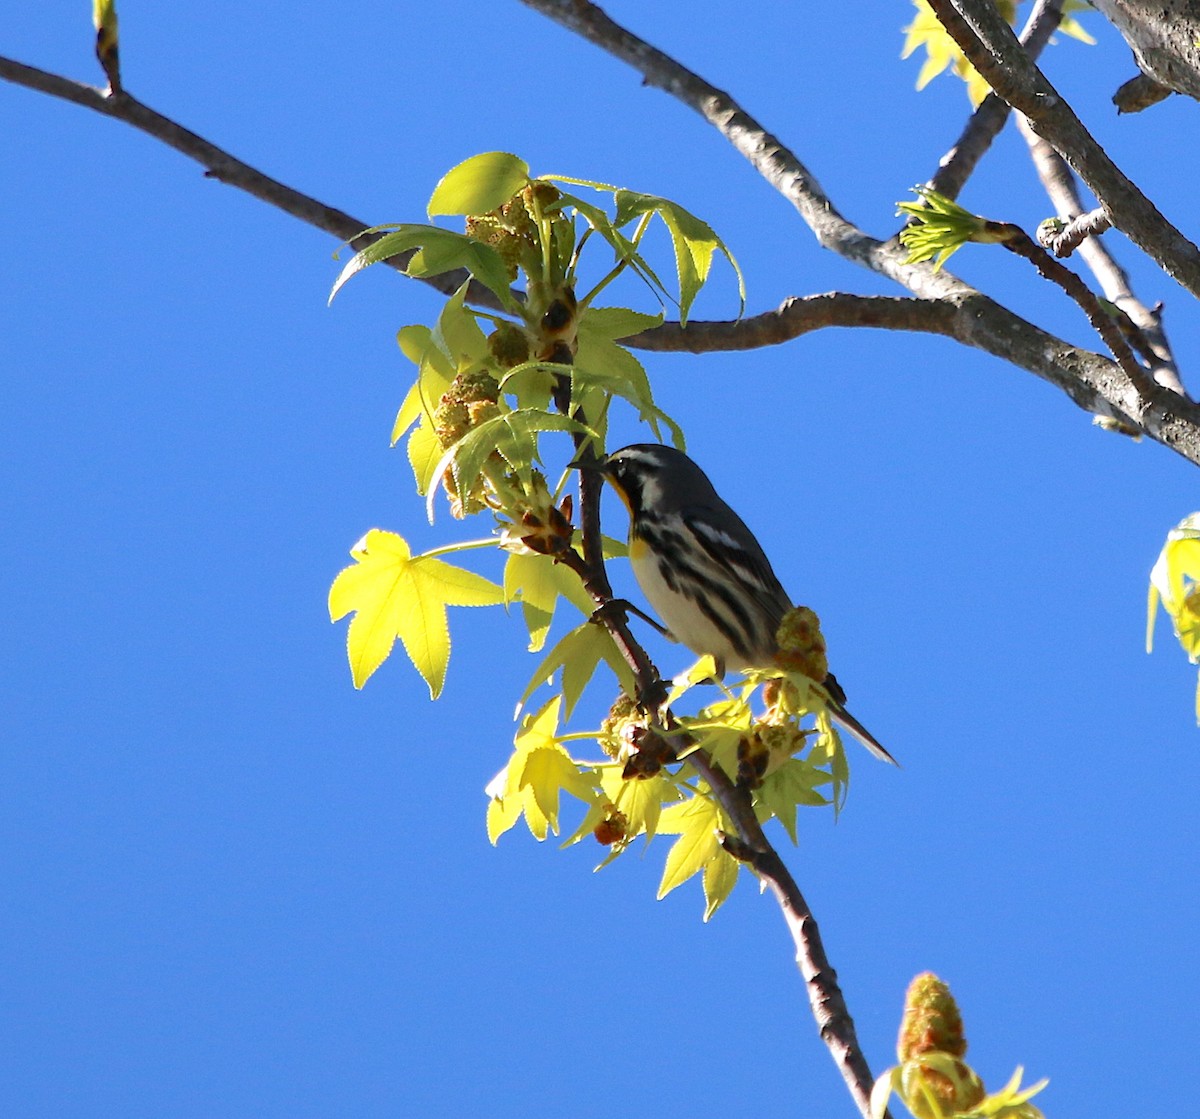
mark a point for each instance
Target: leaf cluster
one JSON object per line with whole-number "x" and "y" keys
{"x": 488, "y": 387}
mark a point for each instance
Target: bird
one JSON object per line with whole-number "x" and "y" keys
{"x": 702, "y": 570}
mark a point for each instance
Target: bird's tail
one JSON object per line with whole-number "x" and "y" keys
{"x": 838, "y": 710}
{"x": 842, "y": 716}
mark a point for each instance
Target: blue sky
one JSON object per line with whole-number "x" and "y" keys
{"x": 235, "y": 886}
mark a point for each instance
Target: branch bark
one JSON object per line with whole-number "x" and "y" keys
{"x": 990, "y": 46}
{"x": 985, "y": 124}
{"x": 1083, "y": 232}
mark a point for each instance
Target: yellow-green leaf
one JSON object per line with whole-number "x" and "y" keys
{"x": 1175, "y": 581}
{"x": 395, "y": 594}
{"x": 792, "y": 784}
{"x": 479, "y": 184}
{"x": 696, "y": 822}
{"x": 540, "y": 768}
{"x": 720, "y": 876}
{"x": 579, "y": 654}
{"x": 537, "y": 582}
{"x": 424, "y": 454}
{"x": 641, "y": 800}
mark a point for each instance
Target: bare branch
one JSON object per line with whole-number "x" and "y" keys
{"x": 222, "y": 166}
{"x": 800, "y": 315}
{"x": 989, "y": 44}
{"x": 1083, "y": 231}
{"x": 985, "y": 124}
{"x": 1019, "y": 242}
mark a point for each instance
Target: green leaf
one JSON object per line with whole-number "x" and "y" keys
{"x": 441, "y": 250}
{"x": 693, "y": 240}
{"x": 792, "y": 784}
{"x": 434, "y": 376}
{"x": 539, "y": 770}
{"x": 424, "y": 454}
{"x": 395, "y": 594}
{"x": 1175, "y": 580}
{"x": 579, "y": 653}
{"x": 941, "y": 227}
{"x": 641, "y": 800}
{"x": 479, "y": 184}
{"x": 457, "y": 334}
{"x": 602, "y": 364}
{"x": 720, "y": 877}
{"x": 537, "y": 582}
{"x": 512, "y": 434}
{"x": 696, "y": 822}
{"x": 617, "y": 322}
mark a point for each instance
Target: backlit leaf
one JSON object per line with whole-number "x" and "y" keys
{"x": 696, "y": 822}
{"x": 395, "y": 594}
{"x": 537, "y": 582}
{"x": 479, "y": 184}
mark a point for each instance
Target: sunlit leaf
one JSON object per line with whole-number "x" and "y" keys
{"x": 696, "y": 822}
{"x": 537, "y": 582}
{"x": 1175, "y": 581}
{"x": 578, "y": 654}
{"x": 792, "y": 784}
{"x": 395, "y": 594}
{"x": 424, "y": 453}
{"x": 720, "y": 876}
{"x": 479, "y": 184}
{"x": 442, "y": 250}
{"x": 693, "y": 240}
{"x": 513, "y": 435}
{"x": 540, "y": 769}
{"x": 642, "y": 800}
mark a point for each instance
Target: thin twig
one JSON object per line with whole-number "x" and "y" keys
{"x": 226, "y": 168}
{"x": 1018, "y": 241}
{"x": 1083, "y": 231}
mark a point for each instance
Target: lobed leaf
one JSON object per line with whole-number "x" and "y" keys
{"x": 395, "y": 594}
{"x": 537, "y": 582}
{"x": 696, "y": 822}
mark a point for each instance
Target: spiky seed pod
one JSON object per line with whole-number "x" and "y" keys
{"x": 615, "y": 728}
{"x": 473, "y": 386}
{"x": 801, "y": 646}
{"x": 613, "y": 828}
{"x": 451, "y": 421}
{"x": 509, "y": 345}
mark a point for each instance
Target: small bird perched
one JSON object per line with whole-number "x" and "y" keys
{"x": 702, "y": 569}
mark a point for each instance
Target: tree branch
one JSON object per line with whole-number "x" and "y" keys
{"x": 990, "y": 46}
{"x": 220, "y": 165}
{"x": 1083, "y": 231}
{"x": 948, "y": 305}
{"x": 985, "y": 124}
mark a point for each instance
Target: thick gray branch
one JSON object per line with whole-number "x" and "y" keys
{"x": 988, "y": 42}
{"x": 1164, "y": 36}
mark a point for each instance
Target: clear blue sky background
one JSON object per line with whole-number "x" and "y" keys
{"x": 233, "y": 886}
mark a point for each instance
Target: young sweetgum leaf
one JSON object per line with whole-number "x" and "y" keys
{"x": 479, "y": 184}
{"x": 396, "y": 594}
